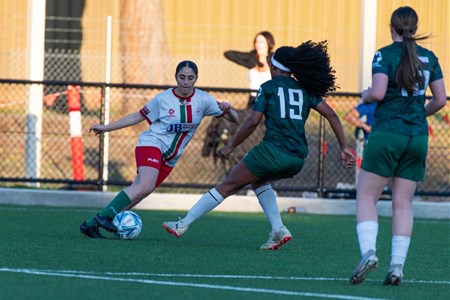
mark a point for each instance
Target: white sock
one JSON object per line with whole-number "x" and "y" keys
{"x": 367, "y": 236}
{"x": 399, "y": 249}
{"x": 268, "y": 202}
{"x": 206, "y": 203}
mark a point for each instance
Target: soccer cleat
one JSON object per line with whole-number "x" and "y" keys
{"x": 277, "y": 239}
{"x": 91, "y": 232}
{"x": 368, "y": 262}
{"x": 105, "y": 223}
{"x": 175, "y": 228}
{"x": 394, "y": 275}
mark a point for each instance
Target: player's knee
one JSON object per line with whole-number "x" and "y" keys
{"x": 143, "y": 190}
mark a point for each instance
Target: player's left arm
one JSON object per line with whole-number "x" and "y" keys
{"x": 439, "y": 97}
{"x": 347, "y": 157}
{"x": 244, "y": 132}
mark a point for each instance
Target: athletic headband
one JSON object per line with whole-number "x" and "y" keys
{"x": 279, "y": 65}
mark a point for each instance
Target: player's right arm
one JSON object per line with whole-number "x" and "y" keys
{"x": 378, "y": 90}
{"x": 230, "y": 114}
{"x": 439, "y": 97}
{"x": 129, "y": 120}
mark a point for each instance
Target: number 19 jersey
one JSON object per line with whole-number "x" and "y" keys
{"x": 286, "y": 108}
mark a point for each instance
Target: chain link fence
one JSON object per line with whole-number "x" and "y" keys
{"x": 198, "y": 170}
{"x": 44, "y": 140}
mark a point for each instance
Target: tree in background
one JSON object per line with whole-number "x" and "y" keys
{"x": 143, "y": 43}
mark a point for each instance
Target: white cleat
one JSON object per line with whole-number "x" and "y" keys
{"x": 394, "y": 275}
{"x": 277, "y": 239}
{"x": 368, "y": 262}
{"x": 175, "y": 228}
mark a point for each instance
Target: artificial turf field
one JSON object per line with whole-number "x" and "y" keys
{"x": 43, "y": 256}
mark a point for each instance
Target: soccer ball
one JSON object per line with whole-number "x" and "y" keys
{"x": 129, "y": 225}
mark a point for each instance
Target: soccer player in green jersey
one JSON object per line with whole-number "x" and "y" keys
{"x": 397, "y": 146}
{"x": 301, "y": 76}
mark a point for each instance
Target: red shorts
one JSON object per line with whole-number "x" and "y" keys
{"x": 151, "y": 157}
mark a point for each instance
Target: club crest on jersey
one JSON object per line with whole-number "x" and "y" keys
{"x": 181, "y": 127}
{"x": 145, "y": 110}
{"x": 377, "y": 59}
{"x": 171, "y": 112}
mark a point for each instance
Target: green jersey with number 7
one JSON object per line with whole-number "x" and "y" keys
{"x": 393, "y": 114}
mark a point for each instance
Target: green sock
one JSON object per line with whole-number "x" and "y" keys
{"x": 116, "y": 205}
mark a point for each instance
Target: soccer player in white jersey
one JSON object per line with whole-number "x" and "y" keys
{"x": 173, "y": 116}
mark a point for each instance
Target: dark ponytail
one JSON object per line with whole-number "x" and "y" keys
{"x": 410, "y": 70}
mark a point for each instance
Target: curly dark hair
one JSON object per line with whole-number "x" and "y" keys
{"x": 310, "y": 66}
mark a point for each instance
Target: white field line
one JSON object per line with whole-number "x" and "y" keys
{"x": 185, "y": 284}
{"x": 224, "y": 276}
{"x": 431, "y": 221}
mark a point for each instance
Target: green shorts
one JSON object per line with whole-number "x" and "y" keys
{"x": 395, "y": 155}
{"x": 265, "y": 161}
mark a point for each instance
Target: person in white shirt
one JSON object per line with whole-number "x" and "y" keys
{"x": 256, "y": 61}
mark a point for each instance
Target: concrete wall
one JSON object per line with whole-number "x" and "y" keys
{"x": 156, "y": 201}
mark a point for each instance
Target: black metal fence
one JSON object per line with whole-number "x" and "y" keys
{"x": 37, "y": 142}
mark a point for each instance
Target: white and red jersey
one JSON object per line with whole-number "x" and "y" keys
{"x": 173, "y": 121}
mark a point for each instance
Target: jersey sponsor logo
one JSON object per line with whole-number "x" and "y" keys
{"x": 153, "y": 160}
{"x": 181, "y": 127}
{"x": 145, "y": 110}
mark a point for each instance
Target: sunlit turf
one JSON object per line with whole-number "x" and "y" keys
{"x": 43, "y": 256}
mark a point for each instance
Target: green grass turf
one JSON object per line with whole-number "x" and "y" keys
{"x": 43, "y": 256}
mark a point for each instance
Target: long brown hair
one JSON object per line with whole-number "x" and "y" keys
{"x": 410, "y": 70}
{"x": 270, "y": 45}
